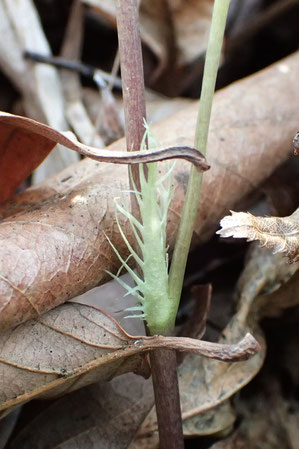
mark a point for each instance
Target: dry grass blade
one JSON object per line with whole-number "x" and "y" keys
{"x": 278, "y": 233}
{"x": 74, "y": 107}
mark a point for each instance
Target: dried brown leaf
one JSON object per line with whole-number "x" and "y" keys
{"x": 204, "y": 410}
{"x": 106, "y": 417}
{"x": 191, "y": 21}
{"x": 18, "y": 158}
{"x": 103, "y": 411}
{"x": 279, "y": 234}
{"x": 68, "y": 348}
{"x": 53, "y": 244}
{"x": 55, "y": 424}
{"x": 74, "y": 345}
{"x": 199, "y": 380}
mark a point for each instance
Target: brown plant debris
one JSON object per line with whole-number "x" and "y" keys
{"x": 74, "y": 345}
{"x": 278, "y": 233}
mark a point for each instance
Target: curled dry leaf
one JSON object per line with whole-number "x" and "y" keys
{"x": 19, "y": 156}
{"x": 205, "y": 385}
{"x": 60, "y": 225}
{"x": 281, "y": 234}
{"x": 24, "y": 143}
{"x": 74, "y": 345}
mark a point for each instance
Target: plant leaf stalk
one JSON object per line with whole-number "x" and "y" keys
{"x": 190, "y": 209}
{"x": 163, "y": 362}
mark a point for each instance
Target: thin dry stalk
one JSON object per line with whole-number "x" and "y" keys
{"x": 163, "y": 362}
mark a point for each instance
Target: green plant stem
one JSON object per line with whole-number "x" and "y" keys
{"x": 190, "y": 209}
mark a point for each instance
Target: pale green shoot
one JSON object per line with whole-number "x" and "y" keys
{"x": 151, "y": 288}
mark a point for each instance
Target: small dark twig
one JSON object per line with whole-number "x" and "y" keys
{"x": 97, "y": 75}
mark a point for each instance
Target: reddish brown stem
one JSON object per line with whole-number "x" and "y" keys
{"x": 167, "y": 396}
{"x": 131, "y": 71}
{"x": 131, "y": 66}
{"x": 163, "y": 362}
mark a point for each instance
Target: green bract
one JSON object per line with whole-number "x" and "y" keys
{"x": 151, "y": 288}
